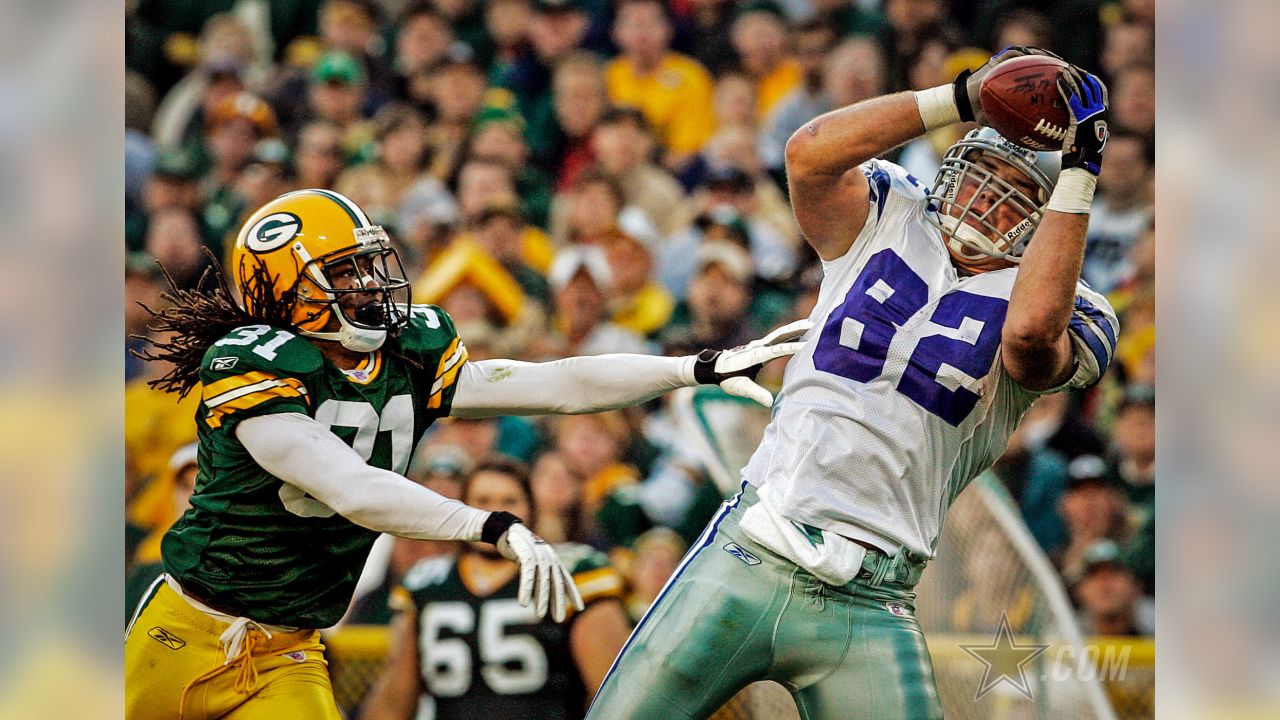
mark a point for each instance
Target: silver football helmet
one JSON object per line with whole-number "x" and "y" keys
{"x": 959, "y": 166}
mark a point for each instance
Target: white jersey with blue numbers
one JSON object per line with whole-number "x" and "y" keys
{"x": 899, "y": 397}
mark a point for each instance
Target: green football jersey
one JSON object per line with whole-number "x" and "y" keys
{"x": 255, "y": 546}
{"x": 488, "y": 657}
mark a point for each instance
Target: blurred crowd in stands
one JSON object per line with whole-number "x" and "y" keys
{"x": 570, "y": 177}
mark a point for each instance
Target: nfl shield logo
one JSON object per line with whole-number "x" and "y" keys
{"x": 898, "y": 609}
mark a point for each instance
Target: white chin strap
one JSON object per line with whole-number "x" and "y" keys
{"x": 353, "y": 338}
{"x": 359, "y": 339}
{"x": 969, "y": 243}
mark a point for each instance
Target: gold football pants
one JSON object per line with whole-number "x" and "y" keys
{"x": 176, "y": 667}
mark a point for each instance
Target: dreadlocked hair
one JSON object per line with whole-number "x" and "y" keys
{"x": 195, "y": 319}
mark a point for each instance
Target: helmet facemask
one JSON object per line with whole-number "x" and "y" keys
{"x": 973, "y": 234}
{"x": 334, "y": 285}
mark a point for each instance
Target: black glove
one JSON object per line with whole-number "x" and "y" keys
{"x": 968, "y": 83}
{"x": 1086, "y": 98}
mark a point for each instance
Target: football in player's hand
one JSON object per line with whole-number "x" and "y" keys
{"x": 1021, "y": 101}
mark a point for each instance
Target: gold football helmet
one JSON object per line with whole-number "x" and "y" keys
{"x": 316, "y": 253}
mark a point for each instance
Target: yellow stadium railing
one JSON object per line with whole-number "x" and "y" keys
{"x": 1126, "y": 667}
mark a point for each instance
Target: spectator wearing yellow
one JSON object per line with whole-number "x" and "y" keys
{"x": 593, "y": 447}
{"x": 760, "y": 37}
{"x": 640, "y": 304}
{"x": 582, "y": 283}
{"x": 164, "y": 501}
{"x": 483, "y": 182}
{"x": 155, "y": 426}
{"x": 672, "y": 90}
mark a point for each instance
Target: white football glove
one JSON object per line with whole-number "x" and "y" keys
{"x": 735, "y": 370}
{"x": 542, "y": 578}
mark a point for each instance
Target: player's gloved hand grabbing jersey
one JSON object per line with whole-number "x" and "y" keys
{"x": 543, "y": 579}
{"x": 735, "y": 369}
{"x": 1086, "y": 99}
{"x": 968, "y": 83}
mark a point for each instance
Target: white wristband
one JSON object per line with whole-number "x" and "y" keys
{"x": 1074, "y": 192}
{"x": 937, "y": 107}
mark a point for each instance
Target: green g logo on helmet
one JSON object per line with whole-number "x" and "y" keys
{"x": 272, "y": 232}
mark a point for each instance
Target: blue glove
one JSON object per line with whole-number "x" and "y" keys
{"x": 1086, "y": 137}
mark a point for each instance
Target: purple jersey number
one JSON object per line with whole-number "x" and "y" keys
{"x": 855, "y": 339}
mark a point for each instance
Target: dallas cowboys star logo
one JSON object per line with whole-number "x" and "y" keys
{"x": 1005, "y": 660}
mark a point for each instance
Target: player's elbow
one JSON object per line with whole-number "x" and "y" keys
{"x": 1036, "y": 362}
{"x": 798, "y": 154}
{"x": 1031, "y": 332}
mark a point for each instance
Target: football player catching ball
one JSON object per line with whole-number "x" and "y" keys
{"x": 943, "y": 313}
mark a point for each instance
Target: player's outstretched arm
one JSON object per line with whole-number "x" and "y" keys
{"x": 597, "y": 383}
{"x": 394, "y": 695}
{"x": 307, "y": 455}
{"x": 828, "y": 193}
{"x": 1035, "y": 346}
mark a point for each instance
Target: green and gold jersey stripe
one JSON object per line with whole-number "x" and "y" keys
{"x": 247, "y": 396}
{"x": 447, "y": 372}
{"x": 598, "y": 583}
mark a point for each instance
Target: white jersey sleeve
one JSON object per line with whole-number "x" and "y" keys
{"x": 892, "y": 188}
{"x": 1093, "y": 329}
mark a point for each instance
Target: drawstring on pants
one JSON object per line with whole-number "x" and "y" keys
{"x": 238, "y": 644}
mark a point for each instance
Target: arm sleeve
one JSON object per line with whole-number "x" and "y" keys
{"x": 304, "y": 453}
{"x": 571, "y": 386}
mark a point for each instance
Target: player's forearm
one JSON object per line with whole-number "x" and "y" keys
{"x": 574, "y": 385}
{"x": 1035, "y": 344}
{"x": 394, "y": 696}
{"x": 305, "y": 454}
{"x": 838, "y": 141}
{"x": 1045, "y": 290}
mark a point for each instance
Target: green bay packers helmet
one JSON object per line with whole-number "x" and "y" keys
{"x": 960, "y": 167}
{"x": 316, "y": 253}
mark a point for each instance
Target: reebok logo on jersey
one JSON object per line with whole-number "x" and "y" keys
{"x": 166, "y": 638}
{"x": 741, "y": 553}
{"x": 898, "y": 609}
{"x": 223, "y": 363}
